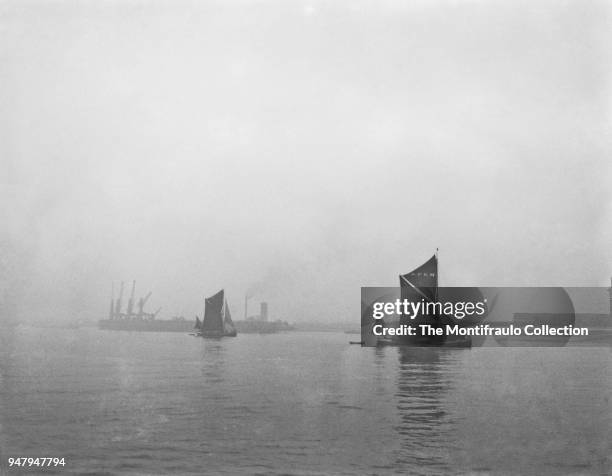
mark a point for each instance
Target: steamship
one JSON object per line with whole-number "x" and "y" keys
{"x": 140, "y": 320}
{"x": 260, "y": 324}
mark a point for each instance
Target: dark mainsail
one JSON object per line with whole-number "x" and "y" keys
{"x": 213, "y": 312}
{"x": 217, "y": 320}
{"x": 421, "y": 285}
{"x": 423, "y": 281}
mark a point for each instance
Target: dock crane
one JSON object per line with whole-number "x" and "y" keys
{"x": 130, "y": 306}
{"x": 115, "y": 305}
{"x": 141, "y": 304}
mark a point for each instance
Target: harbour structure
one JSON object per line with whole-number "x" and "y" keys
{"x": 135, "y": 318}
{"x": 260, "y": 323}
{"x": 116, "y": 311}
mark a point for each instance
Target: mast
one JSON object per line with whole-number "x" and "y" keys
{"x": 437, "y": 274}
{"x": 111, "y": 312}
{"x": 130, "y": 305}
{"x": 204, "y": 313}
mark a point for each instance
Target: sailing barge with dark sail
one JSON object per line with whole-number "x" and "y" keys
{"x": 421, "y": 284}
{"x": 217, "y": 321}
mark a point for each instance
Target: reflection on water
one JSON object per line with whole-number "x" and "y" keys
{"x": 381, "y": 373}
{"x": 300, "y": 403}
{"x": 426, "y": 429}
{"x": 7, "y": 349}
{"x": 213, "y": 361}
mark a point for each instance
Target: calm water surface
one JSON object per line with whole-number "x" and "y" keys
{"x": 299, "y": 403}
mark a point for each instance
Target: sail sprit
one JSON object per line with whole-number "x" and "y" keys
{"x": 416, "y": 289}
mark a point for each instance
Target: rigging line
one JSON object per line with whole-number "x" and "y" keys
{"x": 437, "y": 273}
{"x": 416, "y": 289}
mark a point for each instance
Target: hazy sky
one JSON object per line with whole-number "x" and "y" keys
{"x": 299, "y": 150}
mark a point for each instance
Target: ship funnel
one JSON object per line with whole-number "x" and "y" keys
{"x": 263, "y": 311}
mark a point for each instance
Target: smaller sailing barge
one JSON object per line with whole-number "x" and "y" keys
{"x": 217, "y": 321}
